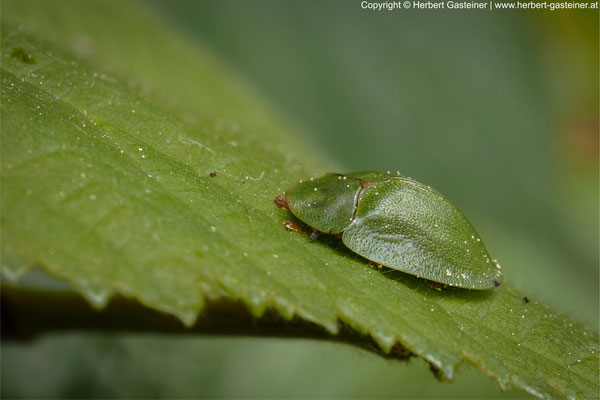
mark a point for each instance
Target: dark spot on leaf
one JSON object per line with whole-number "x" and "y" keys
{"x": 525, "y": 299}
{"x": 213, "y": 174}
{"x": 496, "y": 283}
{"x": 22, "y": 55}
{"x": 437, "y": 372}
{"x": 400, "y": 351}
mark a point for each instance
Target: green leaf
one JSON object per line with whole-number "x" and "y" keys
{"x": 108, "y": 144}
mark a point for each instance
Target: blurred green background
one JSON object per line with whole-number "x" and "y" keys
{"x": 497, "y": 110}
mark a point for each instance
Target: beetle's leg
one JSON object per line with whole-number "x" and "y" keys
{"x": 281, "y": 202}
{"x": 436, "y": 285}
{"x": 302, "y": 228}
{"x": 298, "y": 227}
{"x": 373, "y": 263}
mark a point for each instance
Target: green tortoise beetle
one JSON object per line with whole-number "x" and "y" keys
{"x": 396, "y": 222}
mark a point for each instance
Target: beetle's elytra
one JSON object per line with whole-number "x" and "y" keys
{"x": 397, "y": 222}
